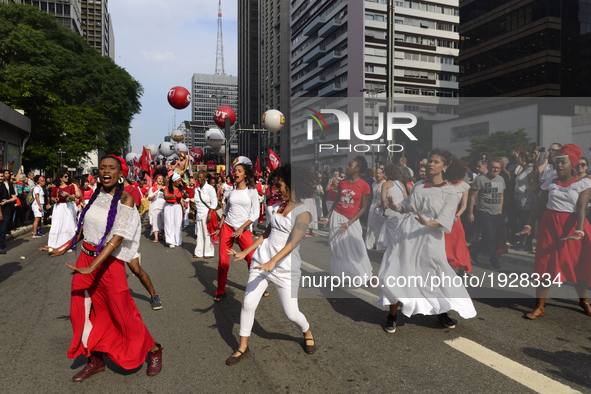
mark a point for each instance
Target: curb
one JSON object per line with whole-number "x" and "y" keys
{"x": 19, "y": 231}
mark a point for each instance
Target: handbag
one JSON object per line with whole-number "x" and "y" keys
{"x": 208, "y": 207}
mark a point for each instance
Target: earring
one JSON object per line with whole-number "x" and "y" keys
{"x": 120, "y": 180}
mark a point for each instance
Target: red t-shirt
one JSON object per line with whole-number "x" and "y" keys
{"x": 70, "y": 189}
{"x": 87, "y": 193}
{"x": 135, "y": 193}
{"x": 177, "y": 197}
{"x": 332, "y": 193}
{"x": 145, "y": 190}
{"x": 351, "y": 195}
{"x": 190, "y": 191}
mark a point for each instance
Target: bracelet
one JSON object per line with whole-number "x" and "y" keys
{"x": 527, "y": 226}
{"x": 109, "y": 242}
{"x": 347, "y": 223}
{"x": 580, "y": 232}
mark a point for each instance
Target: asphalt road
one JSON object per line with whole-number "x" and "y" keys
{"x": 497, "y": 351}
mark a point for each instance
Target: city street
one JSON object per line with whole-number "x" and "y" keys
{"x": 497, "y": 351}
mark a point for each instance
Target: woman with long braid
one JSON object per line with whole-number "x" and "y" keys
{"x": 104, "y": 317}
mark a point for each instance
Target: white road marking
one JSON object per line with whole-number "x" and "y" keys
{"x": 521, "y": 374}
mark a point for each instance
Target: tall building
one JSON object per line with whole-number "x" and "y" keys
{"x": 525, "y": 48}
{"x": 339, "y": 49}
{"x": 97, "y": 27}
{"x": 249, "y": 97}
{"x": 209, "y": 92}
{"x": 263, "y": 74}
{"x": 67, "y": 12}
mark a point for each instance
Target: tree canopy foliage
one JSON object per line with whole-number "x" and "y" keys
{"x": 77, "y": 100}
{"x": 497, "y": 144}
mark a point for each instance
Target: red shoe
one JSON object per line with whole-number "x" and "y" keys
{"x": 94, "y": 365}
{"x": 155, "y": 361}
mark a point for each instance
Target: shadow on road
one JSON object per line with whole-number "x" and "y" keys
{"x": 8, "y": 269}
{"x": 568, "y": 365}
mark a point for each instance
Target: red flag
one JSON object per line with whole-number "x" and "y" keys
{"x": 90, "y": 178}
{"x": 274, "y": 160}
{"x": 257, "y": 167}
{"x": 137, "y": 169}
{"x": 146, "y": 161}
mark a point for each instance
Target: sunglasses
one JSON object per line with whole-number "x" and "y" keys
{"x": 581, "y": 165}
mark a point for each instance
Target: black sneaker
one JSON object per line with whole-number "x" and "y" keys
{"x": 390, "y": 327}
{"x": 156, "y": 303}
{"x": 447, "y": 321}
{"x": 496, "y": 266}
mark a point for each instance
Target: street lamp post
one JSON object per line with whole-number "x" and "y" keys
{"x": 372, "y": 93}
{"x": 61, "y": 153}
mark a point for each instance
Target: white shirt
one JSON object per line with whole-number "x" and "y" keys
{"x": 209, "y": 197}
{"x": 38, "y": 190}
{"x": 549, "y": 173}
{"x": 241, "y": 206}
{"x": 564, "y": 199}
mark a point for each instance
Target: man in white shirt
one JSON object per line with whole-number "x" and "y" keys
{"x": 548, "y": 171}
{"x": 205, "y": 205}
{"x": 37, "y": 205}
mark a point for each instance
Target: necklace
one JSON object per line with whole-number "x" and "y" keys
{"x": 282, "y": 206}
{"x": 566, "y": 184}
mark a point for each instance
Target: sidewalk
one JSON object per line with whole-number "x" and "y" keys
{"x": 19, "y": 231}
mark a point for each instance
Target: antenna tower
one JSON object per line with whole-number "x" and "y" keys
{"x": 219, "y": 56}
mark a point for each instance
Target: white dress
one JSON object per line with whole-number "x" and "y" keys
{"x": 311, "y": 204}
{"x": 418, "y": 252}
{"x": 63, "y": 224}
{"x": 156, "y": 210}
{"x": 393, "y": 218}
{"x": 286, "y": 273}
{"x": 374, "y": 220}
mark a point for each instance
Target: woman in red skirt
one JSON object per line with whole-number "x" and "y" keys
{"x": 456, "y": 248}
{"x": 104, "y": 317}
{"x": 563, "y": 245}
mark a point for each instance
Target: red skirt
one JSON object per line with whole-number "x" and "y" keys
{"x": 213, "y": 224}
{"x": 569, "y": 259}
{"x": 117, "y": 327}
{"x": 456, "y": 248}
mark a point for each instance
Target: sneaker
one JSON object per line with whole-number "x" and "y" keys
{"x": 171, "y": 246}
{"x": 156, "y": 303}
{"x": 390, "y": 327}
{"x": 496, "y": 266}
{"x": 447, "y": 321}
{"x": 37, "y": 236}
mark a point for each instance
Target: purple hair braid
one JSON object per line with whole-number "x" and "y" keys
{"x": 111, "y": 216}
{"x": 74, "y": 240}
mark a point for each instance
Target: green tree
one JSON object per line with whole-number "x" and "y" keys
{"x": 497, "y": 144}
{"x": 77, "y": 100}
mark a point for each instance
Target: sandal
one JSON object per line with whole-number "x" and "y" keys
{"x": 219, "y": 297}
{"x": 233, "y": 360}
{"x": 309, "y": 349}
{"x": 538, "y": 312}
{"x": 586, "y": 307}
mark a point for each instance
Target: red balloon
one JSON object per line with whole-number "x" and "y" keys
{"x": 222, "y": 113}
{"x": 196, "y": 154}
{"x": 179, "y": 97}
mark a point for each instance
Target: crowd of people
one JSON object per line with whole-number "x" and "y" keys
{"x": 434, "y": 220}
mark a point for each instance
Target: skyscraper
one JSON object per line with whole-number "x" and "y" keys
{"x": 97, "y": 27}
{"x": 67, "y": 12}
{"x": 525, "y": 48}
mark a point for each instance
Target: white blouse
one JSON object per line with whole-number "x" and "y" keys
{"x": 209, "y": 197}
{"x": 127, "y": 224}
{"x": 158, "y": 202}
{"x": 564, "y": 199}
{"x": 241, "y": 206}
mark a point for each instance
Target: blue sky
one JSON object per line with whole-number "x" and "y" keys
{"x": 162, "y": 44}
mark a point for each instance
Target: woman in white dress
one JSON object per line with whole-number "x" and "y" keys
{"x": 375, "y": 218}
{"x": 173, "y": 212}
{"x": 276, "y": 258}
{"x": 63, "y": 217}
{"x": 348, "y": 255}
{"x": 395, "y": 190}
{"x": 418, "y": 249}
{"x": 157, "y": 201}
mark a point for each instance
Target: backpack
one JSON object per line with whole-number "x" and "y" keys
{"x": 30, "y": 197}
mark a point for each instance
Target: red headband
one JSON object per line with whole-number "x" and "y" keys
{"x": 573, "y": 152}
{"x": 124, "y": 166}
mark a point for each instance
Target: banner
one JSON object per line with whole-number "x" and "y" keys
{"x": 257, "y": 167}
{"x": 137, "y": 169}
{"x": 146, "y": 161}
{"x": 274, "y": 160}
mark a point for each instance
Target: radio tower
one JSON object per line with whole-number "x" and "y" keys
{"x": 219, "y": 56}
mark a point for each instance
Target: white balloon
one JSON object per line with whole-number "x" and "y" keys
{"x": 166, "y": 149}
{"x": 273, "y": 120}
{"x": 158, "y": 157}
{"x": 243, "y": 160}
{"x": 177, "y": 135}
{"x": 214, "y": 138}
{"x": 153, "y": 149}
{"x": 221, "y": 151}
{"x": 174, "y": 156}
{"x": 129, "y": 158}
{"x": 181, "y": 148}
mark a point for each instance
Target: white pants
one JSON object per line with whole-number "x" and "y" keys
{"x": 256, "y": 286}
{"x": 173, "y": 224}
{"x": 204, "y": 246}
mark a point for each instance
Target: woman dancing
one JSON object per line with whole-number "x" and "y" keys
{"x": 276, "y": 256}
{"x": 375, "y": 218}
{"x": 348, "y": 256}
{"x": 418, "y": 248}
{"x": 63, "y": 218}
{"x": 242, "y": 210}
{"x": 565, "y": 199}
{"x": 456, "y": 247}
{"x": 104, "y": 317}
{"x": 173, "y": 212}
{"x": 395, "y": 190}
{"x": 157, "y": 201}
